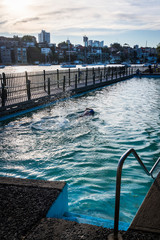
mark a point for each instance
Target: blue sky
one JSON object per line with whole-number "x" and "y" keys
{"x": 123, "y": 21}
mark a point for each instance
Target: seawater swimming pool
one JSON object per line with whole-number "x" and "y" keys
{"x": 55, "y": 144}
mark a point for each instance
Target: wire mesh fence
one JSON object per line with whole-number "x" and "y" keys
{"x": 22, "y": 87}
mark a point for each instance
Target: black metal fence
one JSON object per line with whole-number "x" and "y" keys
{"x": 22, "y": 87}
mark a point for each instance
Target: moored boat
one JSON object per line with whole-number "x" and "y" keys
{"x": 67, "y": 65}
{"x": 2, "y": 66}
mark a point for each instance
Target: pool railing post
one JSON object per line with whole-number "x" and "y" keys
{"x": 69, "y": 72}
{"x": 79, "y": 75}
{"x": 94, "y": 78}
{"x": 76, "y": 81}
{"x": 44, "y": 77}
{"x": 57, "y": 78}
{"x": 4, "y": 95}
{"x": 101, "y": 77}
{"x": 49, "y": 86}
{"x": 64, "y": 83}
{"x": 117, "y": 202}
{"x": 4, "y": 78}
{"x": 28, "y": 86}
{"x": 120, "y": 72}
{"x": 104, "y": 72}
{"x": 86, "y": 77}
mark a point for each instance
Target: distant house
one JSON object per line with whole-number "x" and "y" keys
{"x": 5, "y": 55}
{"x": 20, "y": 55}
{"x": 45, "y": 51}
{"x": 9, "y": 42}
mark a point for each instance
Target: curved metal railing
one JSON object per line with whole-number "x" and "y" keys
{"x": 118, "y": 183}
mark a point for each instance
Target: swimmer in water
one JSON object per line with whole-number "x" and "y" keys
{"x": 88, "y": 112}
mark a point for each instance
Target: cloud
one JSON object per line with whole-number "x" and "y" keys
{"x": 27, "y": 20}
{"x": 63, "y": 11}
{"x": 98, "y": 17}
{"x": 3, "y": 22}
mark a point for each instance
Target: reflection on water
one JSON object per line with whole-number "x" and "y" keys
{"x": 56, "y": 144}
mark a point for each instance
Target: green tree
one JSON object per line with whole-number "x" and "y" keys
{"x": 28, "y": 38}
{"x": 63, "y": 45}
{"x": 117, "y": 47}
{"x": 34, "y": 54}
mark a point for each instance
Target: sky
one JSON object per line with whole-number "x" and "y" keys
{"x": 123, "y": 21}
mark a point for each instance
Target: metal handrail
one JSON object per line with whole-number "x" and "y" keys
{"x": 118, "y": 183}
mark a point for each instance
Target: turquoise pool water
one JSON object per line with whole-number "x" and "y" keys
{"x": 56, "y": 144}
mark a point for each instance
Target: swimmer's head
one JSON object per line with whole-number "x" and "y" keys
{"x": 89, "y": 111}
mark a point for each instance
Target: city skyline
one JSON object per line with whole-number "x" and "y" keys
{"x": 122, "y": 21}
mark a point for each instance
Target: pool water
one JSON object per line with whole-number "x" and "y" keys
{"x": 55, "y": 143}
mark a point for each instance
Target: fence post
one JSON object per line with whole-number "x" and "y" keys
{"x": 76, "y": 81}
{"x": 4, "y": 95}
{"x": 86, "y": 77}
{"x": 99, "y": 72}
{"x": 4, "y": 78}
{"x": 94, "y": 77}
{"x": 57, "y": 78}
{"x": 4, "y": 90}
{"x": 44, "y": 77}
{"x": 64, "y": 83}
{"x": 69, "y": 76}
{"x": 101, "y": 77}
{"x": 124, "y": 71}
{"x": 49, "y": 89}
{"x": 112, "y": 73}
{"x": 28, "y": 86}
{"x": 106, "y": 74}
{"x": 28, "y": 83}
{"x": 79, "y": 75}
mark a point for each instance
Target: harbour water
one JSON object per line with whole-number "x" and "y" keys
{"x": 32, "y": 68}
{"x": 35, "y": 68}
{"x": 57, "y": 144}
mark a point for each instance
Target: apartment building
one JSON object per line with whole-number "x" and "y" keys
{"x": 44, "y": 37}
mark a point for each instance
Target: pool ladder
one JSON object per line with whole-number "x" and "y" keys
{"x": 115, "y": 235}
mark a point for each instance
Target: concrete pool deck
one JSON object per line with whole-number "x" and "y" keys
{"x": 26, "y": 208}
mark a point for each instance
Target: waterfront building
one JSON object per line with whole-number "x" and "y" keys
{"x": 9, "y": 42}
{"x": 20, "y": 55}
{"x": 85, "y": 40}
{"x": 5, "y": 55}
{"x": 44, "y": 37}
{"x": 96, "y": 44}
{"x": 90, "y": 43}
{"x": 101, "y": 44}
{"x": 45, "y": 51}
